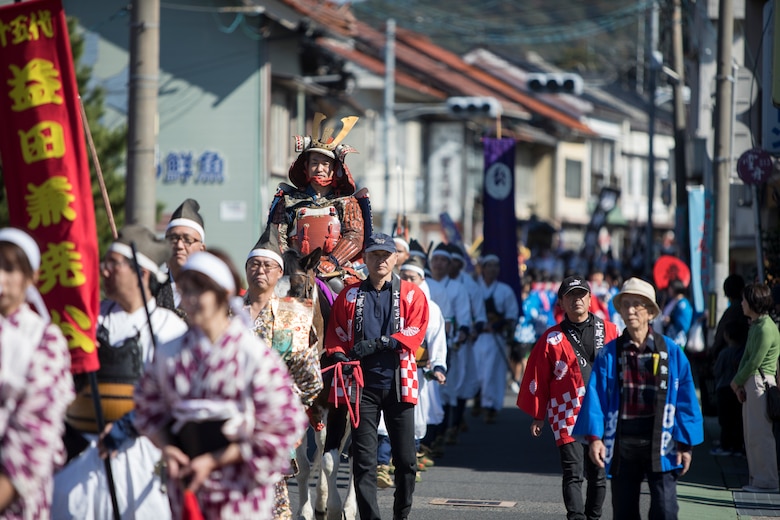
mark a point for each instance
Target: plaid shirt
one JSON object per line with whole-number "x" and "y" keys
{"x": 639, "y": 381}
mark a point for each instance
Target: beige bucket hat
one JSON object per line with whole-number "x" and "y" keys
{"x": 638, "y": 287}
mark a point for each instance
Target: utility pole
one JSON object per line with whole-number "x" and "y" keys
{"x": 680, "y": 136}
{"x": 389, "y": 118}
{"x": 140, "y": 206}
{"x": 722, "y": 153}
{"x": 654, "y": 64}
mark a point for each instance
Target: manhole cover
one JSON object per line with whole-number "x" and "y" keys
{"x": 471, "y": 503}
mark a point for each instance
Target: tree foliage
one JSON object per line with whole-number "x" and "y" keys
{"x": 110, "y": 144}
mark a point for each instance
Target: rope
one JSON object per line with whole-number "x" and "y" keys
{"x": 344, "y": 383}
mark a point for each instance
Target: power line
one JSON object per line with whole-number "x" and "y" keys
{"x": 481, "y": 30}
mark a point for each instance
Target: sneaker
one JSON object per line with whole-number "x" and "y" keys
{"x": 756, "y": 489}
{"x": 426, "y": 461}
{"x": 720, "y": 452}
{"x": 383, "y": 478}
{"x": 515, "y": 386}
{"x": 418, "y": 477}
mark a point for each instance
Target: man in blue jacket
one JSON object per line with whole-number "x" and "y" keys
{"x": 640, "y": 414}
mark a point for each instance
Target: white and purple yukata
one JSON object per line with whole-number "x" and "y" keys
{"x": 250, "y": 387}
{"x": 36, "y": 388}
{"x": 81, "y": 489}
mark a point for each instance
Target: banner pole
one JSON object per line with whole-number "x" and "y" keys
{"x": 96, "y": 162}
{"x": 101, "y": 426}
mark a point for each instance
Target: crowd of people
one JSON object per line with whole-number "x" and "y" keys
{"x": 206, "y": 385}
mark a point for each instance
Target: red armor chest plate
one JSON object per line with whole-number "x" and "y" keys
{"x": 315, "y": 227}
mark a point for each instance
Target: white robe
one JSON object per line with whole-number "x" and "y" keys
{"x": 490, "y": 349}
{"x": 429, "y": 405}
{"x": 80, "y": 488}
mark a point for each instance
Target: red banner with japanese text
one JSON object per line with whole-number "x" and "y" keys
{"x": 45, "y": 167}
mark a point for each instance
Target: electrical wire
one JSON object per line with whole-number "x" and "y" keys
{"x": 475, "y": 30}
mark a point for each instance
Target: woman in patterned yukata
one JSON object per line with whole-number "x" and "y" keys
{"x": 35, "y": 384}
{"x": 219, "y": 403}
{"x": 284, "y": 324}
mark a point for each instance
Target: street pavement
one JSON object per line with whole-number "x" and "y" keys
{"x": 503, "y": 463}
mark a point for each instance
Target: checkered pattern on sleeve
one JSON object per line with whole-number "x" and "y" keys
{"x": 409, "y": 382}
{"x": 563, "y": 411}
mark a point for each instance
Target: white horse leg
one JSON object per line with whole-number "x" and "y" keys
{"x": 330, "y": 468}
{"x": 304, "y": 474}
{"x": 350, "y": 502}
{"x": 326, "y": 468}
{"x": 317, "y": 508}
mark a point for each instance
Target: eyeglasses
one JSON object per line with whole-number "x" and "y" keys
{"x": 187, "y": 240}
{"x": 112, "y": 264}
{"x": 636, "y": 304}
{"x": 262, "y": 266}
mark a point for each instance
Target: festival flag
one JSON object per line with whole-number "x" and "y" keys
{"x": 696, "y": 231}
{"x": 500, "y": 222}
{"x": 45, "y": 167}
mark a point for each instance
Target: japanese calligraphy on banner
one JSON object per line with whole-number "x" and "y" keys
{"x": 45, "y": 167}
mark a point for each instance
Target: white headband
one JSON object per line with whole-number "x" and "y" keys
{"x": 458, "y": 256}
{"x": 25, "y": 242}
{"x": 266, "y": 253}
{"x": 489, "y": 258}
{"x": 322, "y": 151}
{"x": 208, "y": 264}
{"x": 33, "y": 253}
{"x": 186, "y": 222}
{"x": 418, "y": 253}
{"x": 402, "y": 242}
{"x": 143, "y": 260}
{"x": 414, "y": 268}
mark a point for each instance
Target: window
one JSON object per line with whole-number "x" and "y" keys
{"x": 573, "y": 179}
{"x": 602, "y": 156}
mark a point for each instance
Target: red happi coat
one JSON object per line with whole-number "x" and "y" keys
{"x": 552, "y": 383}
{"x": 413, "y": 323}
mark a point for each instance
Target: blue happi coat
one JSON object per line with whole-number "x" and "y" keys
{"x": 682, "y": 419}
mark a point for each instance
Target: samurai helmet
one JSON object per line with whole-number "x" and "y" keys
{"x": 328, "y": 142}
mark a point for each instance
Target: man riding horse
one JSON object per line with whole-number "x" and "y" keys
{"x": 321, "y": 208}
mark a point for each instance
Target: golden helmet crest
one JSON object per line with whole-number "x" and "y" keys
{"x": 331, "y": 133}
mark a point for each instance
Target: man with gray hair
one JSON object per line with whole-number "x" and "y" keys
{"x": 381, "y": 322}
{"x": 640, "y": 413}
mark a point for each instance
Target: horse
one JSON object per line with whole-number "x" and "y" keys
{"x": 327, "y": 502}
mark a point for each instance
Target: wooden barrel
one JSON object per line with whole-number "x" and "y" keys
{"x": 116, "y": 399}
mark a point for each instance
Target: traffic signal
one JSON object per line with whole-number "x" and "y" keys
{"x": 474, "y": 105}
{"x": 560, "y": 83}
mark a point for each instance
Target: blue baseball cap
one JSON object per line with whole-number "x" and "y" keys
{"x": 380, "y": 242}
